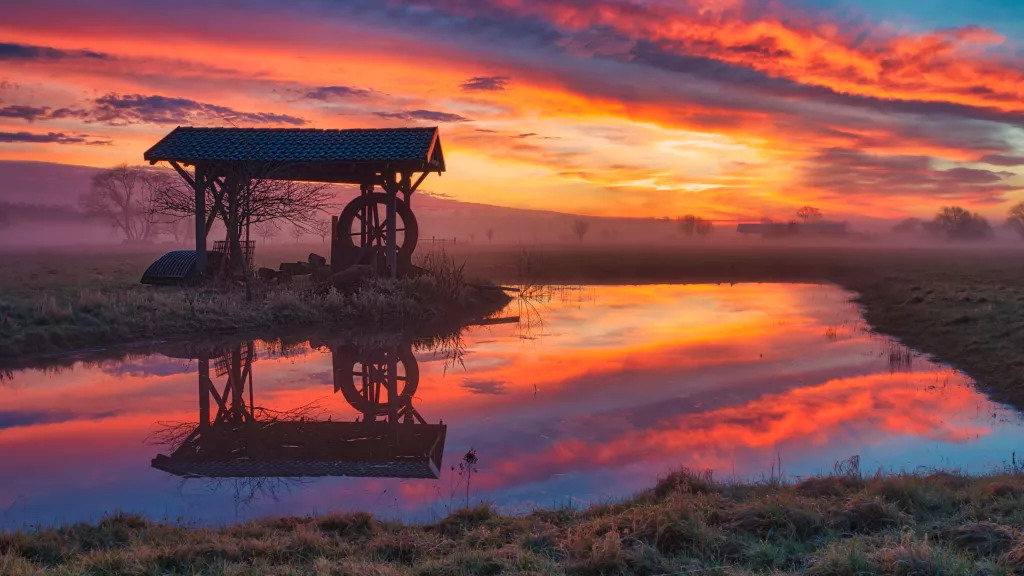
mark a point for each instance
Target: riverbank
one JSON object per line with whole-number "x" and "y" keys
{"x": 843, "y": 524}
{"x": 962, "y": 305}
{"x": 57, "y": 304}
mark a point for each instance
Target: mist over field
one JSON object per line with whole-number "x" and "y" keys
{"x": 39, "y": 207}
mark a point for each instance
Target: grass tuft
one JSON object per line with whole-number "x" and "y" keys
{"x": 686, "y": 480}
{"x": 981, "y": 538}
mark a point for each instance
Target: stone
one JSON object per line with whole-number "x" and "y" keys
{"x": 317, "y": 260}
{"x": 348, "y": 280}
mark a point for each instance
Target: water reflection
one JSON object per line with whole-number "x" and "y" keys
{"x": 596, "y": 393}
{"x": 236, "y": 438}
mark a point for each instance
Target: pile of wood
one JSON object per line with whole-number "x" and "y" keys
{"x": 317, "y": 267}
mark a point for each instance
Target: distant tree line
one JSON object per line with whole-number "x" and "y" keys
{"x": 691, "y": 225}
{"x": 953, "y": 223}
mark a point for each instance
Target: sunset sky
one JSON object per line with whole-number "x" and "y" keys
{"x": 724, "y": 108}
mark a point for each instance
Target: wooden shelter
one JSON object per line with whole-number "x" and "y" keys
{"x": 396, "y": 159}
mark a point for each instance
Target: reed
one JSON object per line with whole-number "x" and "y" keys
{"x": 689, "y": 523}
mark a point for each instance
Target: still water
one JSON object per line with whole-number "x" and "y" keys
{"x": 591, "y": 396}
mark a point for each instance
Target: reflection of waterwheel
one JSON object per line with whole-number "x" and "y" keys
{"x": 362, "y": 376}
{"x": 362, "y": 234}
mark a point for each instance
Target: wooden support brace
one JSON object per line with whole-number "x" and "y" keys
{"x": 418, "y": 182}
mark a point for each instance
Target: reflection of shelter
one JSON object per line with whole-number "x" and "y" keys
{"x": 374, "y": 227}
{"x": 235, "y": 439}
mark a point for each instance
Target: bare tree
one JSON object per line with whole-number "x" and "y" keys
{"x": 1016, "y": 219}
{"x": 703, "y": 227}
{"x": 125, "y": 198}
{"x": 688, "y": 224}
{"x": 248, "y": 194}
{"x": 957, "y": 223}
{"x": 907, "y": 226}
{"x": 267, "y": 230}
{"x": 297, "y": 233}
{"x": 179, "y": 229}
{"x": 322, "y": 229}
{"x": 580, "y": 228}
{"x": 809, "y": 214}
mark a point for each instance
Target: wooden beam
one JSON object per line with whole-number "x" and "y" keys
{"x": 392, "y": 224}
{"x": 181, "y": 172}
{"x": 204, "y": 390}
{"x": 199, "y": 187}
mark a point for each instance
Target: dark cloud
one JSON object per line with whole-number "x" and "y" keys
{"x": 27, "y": 113}
{"x": 118, "y": 110}
{"x": 29, "y": 53}
{"x": 754, "y": 83}
{"x": 854, "y": 173}
{"x": 337, "y": 92}
{"x": 492, "y": 387}
{"x": 49, "y": 138}
{"x": 428, "y": 115}
{"x": 485, "y": 84}
{"x": 1002, "y": 160}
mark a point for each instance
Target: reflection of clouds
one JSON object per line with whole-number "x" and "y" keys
{"x": 20, "y": 418}
{"x": 641, "y": 379}
{"x": 154, "y": 365}
{"x": 839, "y": 415}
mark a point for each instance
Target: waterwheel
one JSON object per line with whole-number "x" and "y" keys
{"x": 362, "y": 233}
{"x": 362, "y": 377}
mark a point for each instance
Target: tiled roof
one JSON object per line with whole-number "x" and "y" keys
{"x": 295, "y": 145}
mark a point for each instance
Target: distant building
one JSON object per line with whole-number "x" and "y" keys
{"x": 778, "y": 229}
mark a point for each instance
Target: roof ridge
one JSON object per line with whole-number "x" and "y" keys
{"x": 280, "y": 129}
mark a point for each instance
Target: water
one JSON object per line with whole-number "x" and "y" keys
{"x": 590, "y": 397}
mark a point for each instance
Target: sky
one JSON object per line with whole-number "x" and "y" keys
{"x": 729, "y": 109}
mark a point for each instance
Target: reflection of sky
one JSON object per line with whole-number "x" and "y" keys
{"x": 613, "y": 390}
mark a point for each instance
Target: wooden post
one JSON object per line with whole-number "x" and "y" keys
{"x": 335, "y": 255}
{"x": 392, "y": 384}
{"x": 204, "y": 390}
{"x": 199, "y": 187}
{"x": 392, "y": 225}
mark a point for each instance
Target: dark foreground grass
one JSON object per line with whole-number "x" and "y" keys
{"x": 962, "y": 305}
{"x": 63, "y": 302}
{"x": 938, "y": 524}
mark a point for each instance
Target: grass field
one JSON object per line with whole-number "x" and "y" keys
{"x": 961, "y": 305}
{"x": 840, "y": 525}
{"x": 60, "y": 301}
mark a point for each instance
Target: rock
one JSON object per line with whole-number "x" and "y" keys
{"x": 266, "y": 273}
{"x": 317, "y": 260}
{"x": 297, "y": 268}
{"x": 349, "y": 279}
